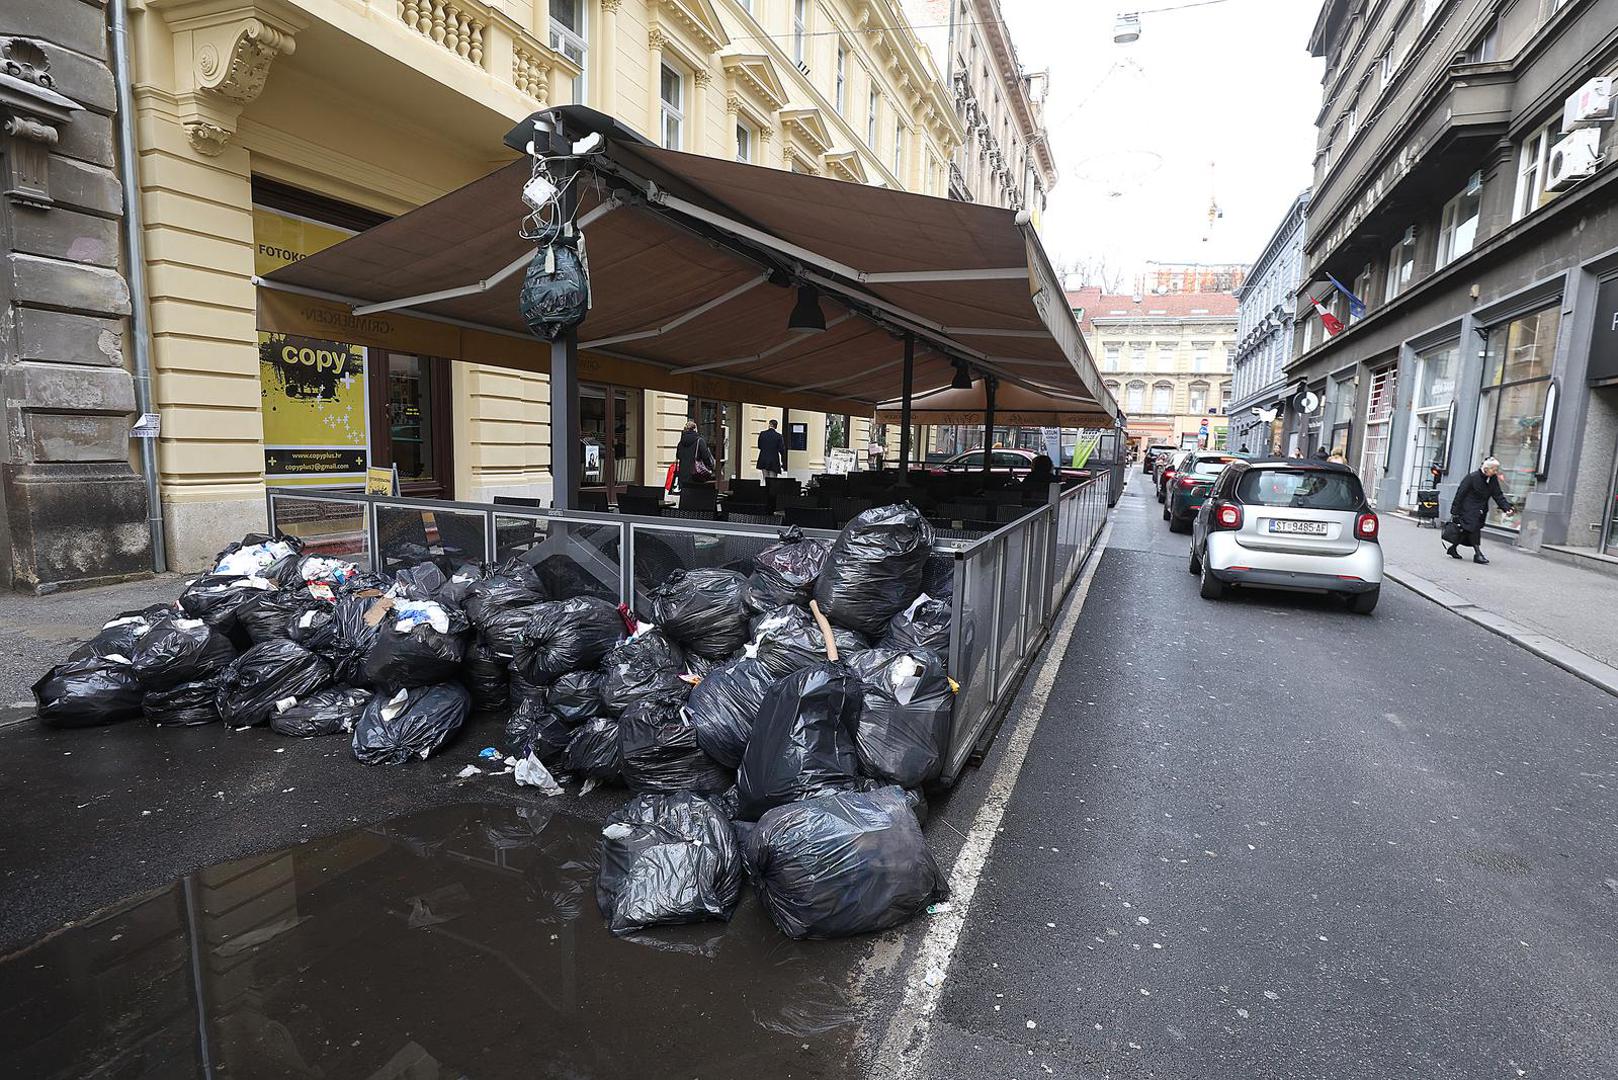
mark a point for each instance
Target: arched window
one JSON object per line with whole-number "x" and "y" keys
{"x": 1137, "y": 396}
{"x": 1199, "y": 397}
{"x": 1163, "y": 397}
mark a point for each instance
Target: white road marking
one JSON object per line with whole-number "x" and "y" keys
{"x": 904, "y": 1047}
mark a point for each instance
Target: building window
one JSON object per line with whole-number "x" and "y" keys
{"x": 672, "y": 92}
{"x": 1351, "y": 124}
{"x": 1137, "y": 396}
{"x": 898, "y": 146}
{"x": 1230, "y": 357}
{"x": 1112, "y": 352}
{"x": 1531, "y": 193}
{"x": 1362, "y": 289}
{"x": 744, "y": 142}
{"x": 1487, "y": 46}
{"x": 1199, "y": 398}
{"x": 1163, "y": 398}
{"x": 800, "y": 28}
{"x": 1429, "y": 8}
{"x": 1459, "y": 229}
{"x": 1429, "y": 433}
{"x": 1201, "y": 357}
{"x": 1387, "y": 65}
{"x": 1511, "y": 413}
{"x": 1401, "y": 265}
{"x": 873, "y": 109}
{"x": 1224, "y": 400}
{"x": 567, "y": 38}
{"x": 1165, "y": 358}
{"x": 1137, "y": 358}
{"x": 841, "y": 98}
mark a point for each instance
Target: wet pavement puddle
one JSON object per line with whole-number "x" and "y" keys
{"x": 457, "y": 942}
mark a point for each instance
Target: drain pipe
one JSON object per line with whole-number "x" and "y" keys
{"x": 135, "y": 271}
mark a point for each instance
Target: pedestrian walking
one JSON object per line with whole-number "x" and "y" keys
{"x": 1471, "y": 507}
{"x": 771, "y": 451}
{"x": 695, "y": 460}
{"x": 876, "y": 452}
{"x": 1338, "y": 457}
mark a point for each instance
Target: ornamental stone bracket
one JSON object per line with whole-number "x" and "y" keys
{"x": 223, "y": 50}
{"x": 31, "y": 111}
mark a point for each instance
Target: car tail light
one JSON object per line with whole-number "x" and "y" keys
{"x": 1227, "y": 516}
{"x": 1187, "y": 482}
{"x": 1168, "y": 474}
{"x": 1366, "y": 526}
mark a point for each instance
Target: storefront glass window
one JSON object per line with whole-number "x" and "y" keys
{"x": 1429, "y": 433}
{"x": 410, "y": 401}
{"x": 1512, "y": 411}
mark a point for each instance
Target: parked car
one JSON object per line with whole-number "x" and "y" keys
{"x": 1166, "y": 472}
{"x": 1154, "y": 455}
{"x": 1005, "y": 459}
{"x": 1185, "y": 494}
{"x": 1285, "y": 523}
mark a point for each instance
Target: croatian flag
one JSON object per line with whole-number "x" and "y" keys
{"x": 1332, "y": 323}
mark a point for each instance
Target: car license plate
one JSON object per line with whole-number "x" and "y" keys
{"x": 1299, "y": 528}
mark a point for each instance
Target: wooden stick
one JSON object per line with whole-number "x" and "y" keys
{"x": 825, "y": 631}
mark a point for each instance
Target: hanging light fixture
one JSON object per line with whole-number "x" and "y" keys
{"x": 962, "y": 379}
{"x": 1126, "y": 31}
{"x": 806, "y": 317}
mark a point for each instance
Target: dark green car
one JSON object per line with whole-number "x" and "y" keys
{"x": 1189, "y": 487}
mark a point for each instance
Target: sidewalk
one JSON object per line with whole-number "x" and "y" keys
{"x": 1563, "y": 613}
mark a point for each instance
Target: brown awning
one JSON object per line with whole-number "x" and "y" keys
{"x": 691, "y": 264}
{"x": 1014, "y": 406}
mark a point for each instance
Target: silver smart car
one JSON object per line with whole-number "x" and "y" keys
{"x": 1284, "y": 523}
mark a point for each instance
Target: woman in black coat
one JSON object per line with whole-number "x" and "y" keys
{"x": 1471, "y": 507}
{"x": 690, "y": 450}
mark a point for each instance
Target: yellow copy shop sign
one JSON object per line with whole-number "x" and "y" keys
{"x": 316, "y": 414}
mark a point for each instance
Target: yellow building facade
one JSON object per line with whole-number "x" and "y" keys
{"x": 269, "y": 129}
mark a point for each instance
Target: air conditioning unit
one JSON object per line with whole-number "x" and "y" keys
{"x": 1591, "y": 105}
{"x": 1574, "y": 158}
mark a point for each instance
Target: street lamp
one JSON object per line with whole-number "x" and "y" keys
{"x": 1126, "y": 30}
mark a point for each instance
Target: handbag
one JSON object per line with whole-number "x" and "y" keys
{"x": 700, "y": 469}
{"x": 1452, "y": 533}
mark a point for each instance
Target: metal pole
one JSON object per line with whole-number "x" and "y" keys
{"x": 564, "y": 356}
{"x": 904, "y": 401}
{"x": 990, "y": 383}
{"x": 135, "y": 273}
{"x": 786, "y": 437}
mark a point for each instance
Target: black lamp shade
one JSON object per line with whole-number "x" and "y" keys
{"x": 806, "y": 317}
{"x": 963, "y": 378}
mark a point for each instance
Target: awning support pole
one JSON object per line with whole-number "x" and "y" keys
{"x": 904, "y": 407}
{"x": 565, "y": 448}
{"x": 990, "y": 384}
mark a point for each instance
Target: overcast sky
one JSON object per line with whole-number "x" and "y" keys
{"x": 1211, "y": 103}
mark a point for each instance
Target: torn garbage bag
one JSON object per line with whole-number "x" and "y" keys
{"x": 658, "y": 751}
{"x": 118, "y": 636}
{"x": 803, "y": 742}
{"x": 417, "y": 644}
{"x": 667, "y": 858}
{"x": 264, "y": 675}
{"x": 785, "y": 573}
{"x": 325, "y": 712}
{"x": 576, "y": 697}
{"x": 647, "y": 667}
{"x": 922, "y": 625}
{"x": 185, "y": 705}
{"x": 702, "y": 610}
{"x": 534, "y": 729}
{"x": 567, "y": 635}
{"x": 216, "y": 600}
{"x": 788, "y": 639}
{"x": 270, "y": 615}
{"x": 414, "y": 722}
{"x": 723, "y": 706}
{"x": 89, "y": 691}
{"x": 904, "y": 725}
{"x": 592, "y": 752}
{"x": 179, "y": 651}
{"x": 875, "y": 567}
{"x": 841, "y": 864}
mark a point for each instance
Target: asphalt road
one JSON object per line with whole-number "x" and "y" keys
{"x": 1264, "y": 838}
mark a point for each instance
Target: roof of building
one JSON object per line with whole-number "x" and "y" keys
{"x": 1094, "y": 304}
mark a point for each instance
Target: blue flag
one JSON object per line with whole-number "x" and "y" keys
{"x": 1356, "y": 306}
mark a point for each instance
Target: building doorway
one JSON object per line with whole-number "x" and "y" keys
{"x": 720, "y": 424}
{"x": 410, "y": 423}
{"x": 609, "y": 438}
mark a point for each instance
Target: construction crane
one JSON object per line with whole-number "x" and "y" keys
{"x": 1215, "y": 211}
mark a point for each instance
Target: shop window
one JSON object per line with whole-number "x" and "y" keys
{"x": 671, "y": 91}
{"x": 567, "y": 37}
{"x": 609, "y": 437}
{"x": 1458, "y": 230}
{"x": 1433, "y": 409}
{"x": 1342, "y": 413}
{"x": 1511, "y": 412}
{"x": 410, "y": 427}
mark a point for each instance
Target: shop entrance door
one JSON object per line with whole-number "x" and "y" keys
{"x": 410, "y": 426}
{"x": 719, "y": 424}
{"x": 609, "y": 438}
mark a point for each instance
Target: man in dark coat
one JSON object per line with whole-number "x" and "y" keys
{"x": 771, "y": 451}
{"x": 1471, "y": 507}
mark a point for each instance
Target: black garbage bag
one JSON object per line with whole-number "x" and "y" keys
{"x": 414, "y": 722}
{"x": 803, "y": 742}
{"x": 658, "y": 751}
{"x": 938, "y": 577}
{"x": 352, "y": 636}
{"x": 86, "y": 692}
{"x": 365, "y": 582}
{"x": 179, "y": 651}
{"x": 418, "y": 656}
{"x": 785, "y": 573}
{"x": 647, "y": 667}
{"x": 788, "y": 639}
{"x": 216, "y": 600}
{"x": 487, "y": 677}
{"x": 270, "y": 615}
{"x": 119, "y": 634}
{"x": 592, "y": 752}
{"x": 567, "y": 635}
{"x": 264, "y": 675}
{"x": 532, "y": 728}
{"x": 723, "y": 707}
{"x": 555, "y": 294}
{"x": 501, "y": 628}
{"x": 576, "y": 697}
{"x": 285, "y": 571}
{"x": 667, "y": 858}
{"x": 420, "y": 582}
{"x": 701, "y": 666}
{"x": 923, "y": 625}
{"x": 315, "y": 628}
{"x": 847, "y": 863}
{"x": 325, "y": 712}
{"x": 459, "y": 586}
{"x": 874, "y": 569}
{"x": 185, "y": 705}
{"x": 512, "y": 585}
{"x": 904, "y": 726}
{"x": 702, "y": 610}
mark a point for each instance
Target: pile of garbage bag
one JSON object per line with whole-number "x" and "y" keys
{"x": 760, "y": 738}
